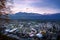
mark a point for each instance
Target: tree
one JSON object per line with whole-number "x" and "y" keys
{"x": 5, "y": 9}
{"x": 2, "y": 6}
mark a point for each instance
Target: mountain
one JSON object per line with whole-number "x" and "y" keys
{"x": 23, "y": 15}
{"x": 52, "y": 16}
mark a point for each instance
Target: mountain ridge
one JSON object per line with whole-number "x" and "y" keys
{"x": 23, "y": 15}
{"x": 34, "y": 16}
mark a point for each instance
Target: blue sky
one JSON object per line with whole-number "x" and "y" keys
{"x": 37, "y": 6}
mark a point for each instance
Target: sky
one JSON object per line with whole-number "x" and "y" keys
{"x": 37, "y": 6}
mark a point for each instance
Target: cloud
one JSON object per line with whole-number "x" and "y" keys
{"x": 47, "y": 3}
{"x": 37, "y": 6}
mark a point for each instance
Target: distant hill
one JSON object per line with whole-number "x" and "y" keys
{"x": 34, "y": 16}
{"x": 23, "y": 15}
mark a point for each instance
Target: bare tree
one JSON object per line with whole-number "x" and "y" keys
{"x": 5, "y": 9}
{"x": 2, "y": 6}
